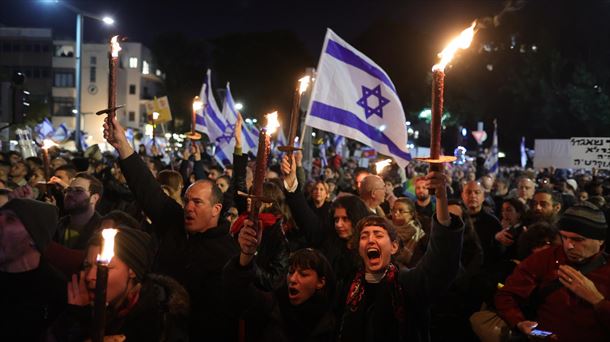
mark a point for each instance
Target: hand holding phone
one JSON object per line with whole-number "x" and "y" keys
{"x": 541, "y": 334}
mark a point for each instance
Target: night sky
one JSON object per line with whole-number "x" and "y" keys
{"x": 141, "y": 21}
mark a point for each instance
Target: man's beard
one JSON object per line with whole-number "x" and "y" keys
{"x": 74, "y": 207}
{"x": 422, "y": 197}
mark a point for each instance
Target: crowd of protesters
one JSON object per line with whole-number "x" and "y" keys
{"x": 337, "y": 252}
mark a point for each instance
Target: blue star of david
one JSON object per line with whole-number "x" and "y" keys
{"x": 363, "y": 101}
{"x": 227, "y": 134}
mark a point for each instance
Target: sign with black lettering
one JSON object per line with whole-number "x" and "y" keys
{"x": 589, "y": 153}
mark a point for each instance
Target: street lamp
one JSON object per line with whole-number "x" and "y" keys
{"x": 80, "y": 14}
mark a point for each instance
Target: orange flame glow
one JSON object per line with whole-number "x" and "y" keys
{"x": 461, "y": 42}
{"x": 303, "y": 84}
{"x": 115, "y": 47}
{"x": 48, "y": 143}
{"x": 380, "y": 165}
{"x": 272, "y": 122}
{"x": 108, "y": 246}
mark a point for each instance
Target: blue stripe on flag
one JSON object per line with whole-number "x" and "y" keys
{"x": 218, "y": 121}
{"x": 349, "y": 57}
{"x": 199, "y": 120}
{"x": 249, "y": 140}
{"x": 349, "y": 119}
{"x": 220, "y": 156}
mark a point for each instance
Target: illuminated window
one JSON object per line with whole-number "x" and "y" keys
{"x": 133, "y": 62}
{"x": 145, "y": 68}
{"x": 158, "y": 72}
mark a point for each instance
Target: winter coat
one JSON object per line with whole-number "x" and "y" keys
{"x": 269, "y": 315}
{"x": 397, "y": 309}
{"x": 31, "y": 301}
{"x": 561, "y": 312}
{"x": 160, "y": 314}
{"x": 194, "y": 260}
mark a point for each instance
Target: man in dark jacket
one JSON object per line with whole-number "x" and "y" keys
{"x": 81, "y": 219}
{"x": 193, "y": 246}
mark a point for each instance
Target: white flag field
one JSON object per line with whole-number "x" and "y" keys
{"x": 353, "y": 97}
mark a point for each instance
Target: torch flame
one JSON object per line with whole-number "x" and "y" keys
{"x": 272, "y": 123}
{"x": 48, "y": 143}
{"x": 115, "y": 47}
{"x": 380, "y": 165}
{"x": 303, "y": 84}
{"x": 197, "y": 104}
{"x": 461, "y": 42}
{"x": 108, "y": 246}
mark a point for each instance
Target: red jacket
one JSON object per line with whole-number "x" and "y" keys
{"x": 562, "y": 312}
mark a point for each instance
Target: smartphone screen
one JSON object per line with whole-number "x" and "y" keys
{"x": 540, "y": 333}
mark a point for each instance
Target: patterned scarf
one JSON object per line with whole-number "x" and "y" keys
{"x": 356, "y": 292}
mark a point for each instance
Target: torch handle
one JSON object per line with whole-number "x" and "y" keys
{"x": 264, "y": 146}
{"x": 99, "y": 304}
{"x": 438, "y": 86}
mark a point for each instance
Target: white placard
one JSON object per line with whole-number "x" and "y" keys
{"x": 589, "y": 153}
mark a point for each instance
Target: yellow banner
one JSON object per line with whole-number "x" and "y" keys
{"x": 161, "y": 106}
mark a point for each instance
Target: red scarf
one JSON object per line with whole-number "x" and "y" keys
{"x": 266, "y": 219}
{"x": 356, "y": 292}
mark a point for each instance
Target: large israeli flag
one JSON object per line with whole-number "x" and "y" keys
{"x": 220, "y": 131}
{"x": 355, "y": 98}
{"x": 248, "y": 138}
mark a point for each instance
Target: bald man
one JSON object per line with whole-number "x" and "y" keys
{"x": 372, "y": 192}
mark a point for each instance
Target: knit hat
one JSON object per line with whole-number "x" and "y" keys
{"x": 133, "y": 247}
{"x": 38, "y": 218}
{"x": 584, "y": 219}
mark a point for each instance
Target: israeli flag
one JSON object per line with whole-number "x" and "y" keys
{"x": 220, "y": 131}
{"x": 523, "y": 153}
{"x": 61, "y": 133}
{"x": 44, "y": 129}
{"x": 340, "y": 144}
{"x": 354, "y": 97}
{"x": 323, "y": 148}
{"x": 249, "y": 140}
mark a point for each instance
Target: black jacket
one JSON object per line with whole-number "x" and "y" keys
{"x": 31, "y": 301}
{"x": 321, "y": 235}
{"x": 160, "y": 314}
{"x": 85, "y": 233}
{"x": 374, "y": 319}
{"x": 194, "y": 260}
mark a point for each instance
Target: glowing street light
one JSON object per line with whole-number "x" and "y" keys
{"x": 80, "y": 14}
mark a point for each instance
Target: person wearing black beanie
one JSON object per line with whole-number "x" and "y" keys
{"x": 571, "y": 282}
{"x": 141, "y": 306}
{"x": 33, "y": 292}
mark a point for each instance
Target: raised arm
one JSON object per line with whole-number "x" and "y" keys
{"x": 148, "y": 193}
{"x": 304, "y": 217}
{"x": 439, "y": 265}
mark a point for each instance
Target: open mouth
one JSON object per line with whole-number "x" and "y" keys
{"x": 373, "y": 253}
{"x": 292, "y": 291}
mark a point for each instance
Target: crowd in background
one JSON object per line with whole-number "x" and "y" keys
{"x": 338, "y": 252}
